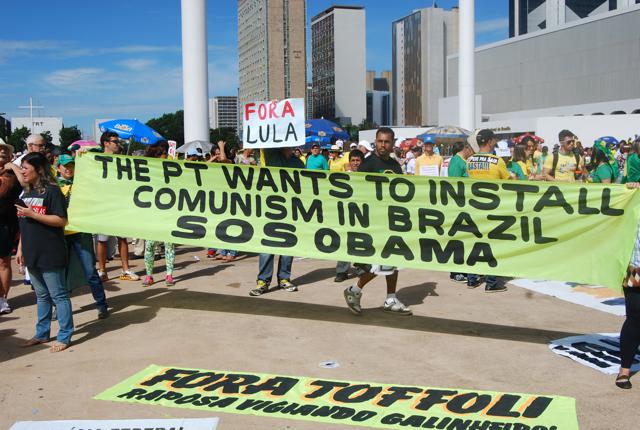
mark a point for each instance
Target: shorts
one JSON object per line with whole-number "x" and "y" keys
{"x": 7, "y": 240}
{"x": 635, "y": 257}
{"x": 105, "y": 238}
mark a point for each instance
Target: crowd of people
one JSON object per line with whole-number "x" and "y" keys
{"x": 36, "y": 187}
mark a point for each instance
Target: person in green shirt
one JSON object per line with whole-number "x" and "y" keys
{"x": 458, "y": 164}
{"x": 633, "y": 163}
{"x": 602, "y": 171}
{"x": 518, "y": 163}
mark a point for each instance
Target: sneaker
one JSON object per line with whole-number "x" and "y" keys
{"x": 397, "y": 307}
{"x": 103, "y": 314}
{"x": 340, "y": 277}
{"x": 286, "y": 285}
{"x": 4, "y": 306}
{"x": 460, "y": 278}
{"x": 261, "y": 288}
{"x": 128, "y": 275}
{"x": 103, "y": 276}
{"x": 353, "y": 300}
{"x": 495, "y": 289}
{"x": 148, "y": 281}
{"x": 168, "y": 281}
{"x": 474, "y": 284}
{"x": 211, "y": 253}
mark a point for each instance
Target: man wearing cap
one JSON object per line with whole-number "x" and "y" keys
{"x": 486, "y": 165}
{"x": 111, "y": 144}
{"x": 194, "y": 155}
{"x": 365, "y": 147}
{"x": 429, "y": 163}
{"x": 379, "y": 162}
{"x": 316, "y": 161}
{"x": 10, "y": 190}
{"x": 81, "y": 244}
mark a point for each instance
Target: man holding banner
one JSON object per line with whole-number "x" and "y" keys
{"x": 379, "y": 162}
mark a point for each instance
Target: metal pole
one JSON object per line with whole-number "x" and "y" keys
{"x": 195, "y": 89}
{"x": 466, "y": 66}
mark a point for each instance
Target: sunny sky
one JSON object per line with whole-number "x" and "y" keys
{"x": 84, "y": 59}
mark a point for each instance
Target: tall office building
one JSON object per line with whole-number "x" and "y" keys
{"x": 371, "y": 75}
{"x": 223, "y": 112}
{"x": 421, "y": 43}
{"x": 338, "y": 64}
{"x": 308, "y": 102}
{"x": 271, "y": 49}
{"x": 527, "y": 16}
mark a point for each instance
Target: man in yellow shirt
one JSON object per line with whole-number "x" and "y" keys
{"x": 428, "y": 164}
{"x": 563, "y": 165}
{"x": 484, "y": 164}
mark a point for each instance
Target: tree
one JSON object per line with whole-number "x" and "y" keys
{"x": 18, "y": 139}
{"x": 48, "y": 139}
{"x": 68, "y": 135}
{"x": 170, "y": 125}
{"x": 227, "y": 134}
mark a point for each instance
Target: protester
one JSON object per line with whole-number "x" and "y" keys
{"x": 630, "y": 331}
{"x": 43, "y": 215}
{"x": 565, "y": 165}
{"x": 81, "y": 244}
{"x": 633, "y": 163}
{"x": 110, "y": 143}
{"x": 246, "y": 157}
{"x": 317, "y": 161}
{"x": 365, "y": 147}
{"x": 485, "y": 165}
{"x": 429, "y": 163}
{"x": 276, "y": 157}
{"x": 602, "y": 171}
{"x": 35, "y": 143}
{"x": 412, "y": 155}
{"x": 621, "y": 157}
{"x": 518, "y": 163}
{"x": 194, "y": 154}
{"x": 223, "y": 155}
{"x": 10, "y": 190}
{"x": 342, "y": 267}
{"x": 458, "y": 169}
{"x": 158, "y": 150}
{"x": 379, "y": 162}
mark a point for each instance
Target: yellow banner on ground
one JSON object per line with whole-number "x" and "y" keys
{"x": 540, "y": 230}
{"x": 344, "y": 402}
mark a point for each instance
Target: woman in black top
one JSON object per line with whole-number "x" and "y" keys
{"x": 42, "y": 214}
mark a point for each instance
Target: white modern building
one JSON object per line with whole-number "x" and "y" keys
{"x": 528, "y": 16}
{"x": 223, "y": 112}
{"x": 338, "y": 56}
{"x": 421, "y": 43}
{"x": 39, "y": 124}
{"x": 586, "y": 72}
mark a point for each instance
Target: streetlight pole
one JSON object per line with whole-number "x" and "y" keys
{"x": 466, "y": 66}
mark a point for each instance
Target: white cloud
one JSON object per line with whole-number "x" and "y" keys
{"x": 489, "y": 26}
{"x": 73, "y": 78}
{"x": 14, "y": 48}
{"x": 137, "y": 64}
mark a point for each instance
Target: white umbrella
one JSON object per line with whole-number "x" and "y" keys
{"x": 204, "y": 146}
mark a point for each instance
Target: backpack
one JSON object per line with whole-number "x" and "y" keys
{"x": 555, "y": 164}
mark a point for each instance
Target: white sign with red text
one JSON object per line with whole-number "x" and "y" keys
{"x": 274, "y": 124}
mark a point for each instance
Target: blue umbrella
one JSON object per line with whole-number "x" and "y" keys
{"x": 132, "y": 129}
{"x": 325, "y": 129}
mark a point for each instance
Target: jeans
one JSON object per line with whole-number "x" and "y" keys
{"x": 490, "y": 281}
{"x": 50, "y": 288}
{"x": 630, "y": 333}
{"x": 230, "y": 252}
{"x": 78, "y": 243}
{"x": 266, "y": 267}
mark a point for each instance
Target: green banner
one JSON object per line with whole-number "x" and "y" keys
{"x": 539, "y": 230}
{"x": 344, "y": 402}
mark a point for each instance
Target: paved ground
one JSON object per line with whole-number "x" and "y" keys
{"x": 457, "y": 338}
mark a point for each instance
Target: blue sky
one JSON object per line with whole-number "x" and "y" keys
{"x": 84, "y": 59}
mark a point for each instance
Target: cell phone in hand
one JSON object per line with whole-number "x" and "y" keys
{"x": 21, "y": 203}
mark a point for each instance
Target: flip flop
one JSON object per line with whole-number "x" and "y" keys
{"x": 33, "y": 342}
{"x": 57, "y": 347}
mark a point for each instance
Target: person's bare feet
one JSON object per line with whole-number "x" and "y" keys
{"x": 57, "y": 347}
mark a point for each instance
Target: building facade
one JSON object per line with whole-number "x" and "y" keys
{"x": 308, "y": 103}
{"x": 271, "y": 49}
{"x": 378, "y": 107}
{"x": 38, "y": 125}
{"x": 338, "y": 61}
{"x": 5, "y": 128}
{"x": 421, "y": 43}
{"x": 527, "y": 16}
{"x": 223, "y": 112}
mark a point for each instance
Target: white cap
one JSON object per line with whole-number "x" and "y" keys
{"x": 340, "y": 143}
{"x": 353, "y": 145}
{"x": 336, "y": 147}
{"x": 365, "y": 144}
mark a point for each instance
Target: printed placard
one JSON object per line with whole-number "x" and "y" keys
{"x": 274, "y": 124}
